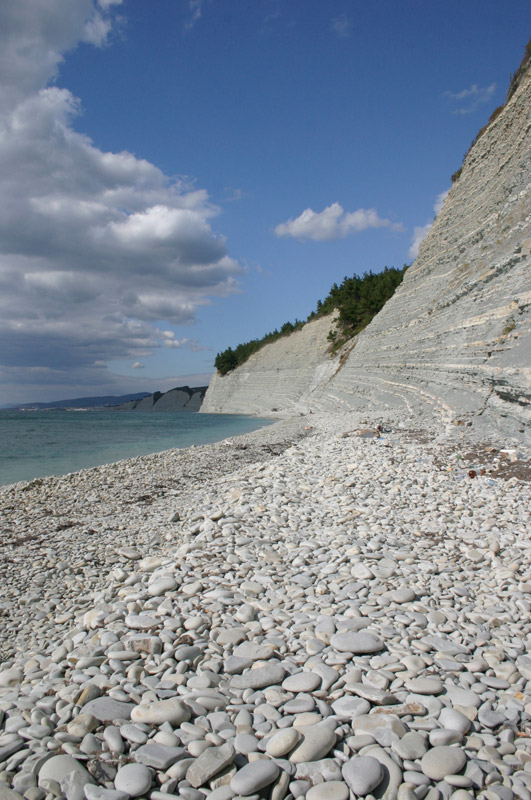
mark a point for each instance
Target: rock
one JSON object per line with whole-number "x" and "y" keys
{"x": 282, "y": 742}
{"x": 212, "y": 761}
{"x": 57, "y": 769}
{"x": 441, "y": 761}
{"x": 363, "y": 774}
{"x": 331, "y": 790}
{"x": 260, "y": 677}
{"x": 106, "y": 709}
{"x": 160, "y": 711}
{"x": 133, "y": 779}
{"x": 356, "y": 643}
{"x": 159, "y": 756}
{"x": 317, "y": 742}
{"x": 254, "y": 777}
{"x": 301, "y": 682}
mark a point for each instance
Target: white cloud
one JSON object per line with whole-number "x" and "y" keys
{"x": 137, "y": 365}
{"x": 94, "y": 246}
{"x": 420, "y": 232}
{"x": 195, "y": 8}
{"x": 333, "y": 223}
{"x": 341, "y": 26}
{"x": 470, "y": 99}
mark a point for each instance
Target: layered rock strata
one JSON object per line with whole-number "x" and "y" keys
{"x": 455, "y": 338}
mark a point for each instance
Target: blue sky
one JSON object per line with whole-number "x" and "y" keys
{"x": 178, "y": 176}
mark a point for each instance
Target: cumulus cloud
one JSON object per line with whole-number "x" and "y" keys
{"x": 333, "y": 223}
{"x": 420, "y": 232}
{"x": 95, "y": 247}
{"x": 469, "y": 100}
{"x": 137, "y": 365}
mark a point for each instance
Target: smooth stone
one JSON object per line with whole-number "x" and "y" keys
{"x": 254, "y": 777}
{"x": 106, "y": 709}
{"x": 330, "y": 790}
{"x": 454, "y": 720}
{"x": 209, "y": 763}
{"x": 260, "y": 677}
{"x": 159, "y": 756}
{"x": 317, "y": 742}
{"x": 283, "y": 742}
{"x": 459, "y": 696}
{"x": 133, "y": 779}
{"x": 348, "y": 707}
{"x": 392, "y": 779}
{"x": 161, "y": 586}
{"x": 57, "y": 768}
{"x": 441, "y": 761}
{"x": 404, "y": 595}
{"x": 93, "y": 792}
{"x": 441, "y": 736}
{"x": 411, "y": 746}
{"x": 425, "y": 686}
{"x": 82, "y": 724}
{"x": 301, "y": 682}
{"x": 246, "y": 743}
{"x": 372, "y": 693}
{"x": 363, "y": 774}
{"x": 356, "y": 643}
{"x": 371, "y": 723}
{"x": 8, "y": 794}
{"x": 160, "y": 711}
{"x": 256, "y": 652}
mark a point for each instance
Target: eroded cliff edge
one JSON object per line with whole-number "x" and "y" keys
{"x": 456, "y": 336}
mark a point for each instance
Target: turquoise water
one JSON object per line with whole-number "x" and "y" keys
{"x": 34, "y": 444}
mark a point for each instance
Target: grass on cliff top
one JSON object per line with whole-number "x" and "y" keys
{"x": 356, "y": 299}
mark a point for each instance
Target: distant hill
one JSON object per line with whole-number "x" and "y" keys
{"x": 80, "y": 402}
{"x": 182, "y": 398}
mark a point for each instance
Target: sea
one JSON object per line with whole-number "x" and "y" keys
{"x": 34, "y": 444}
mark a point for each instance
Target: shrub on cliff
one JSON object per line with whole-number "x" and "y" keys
{"x": 357, "y": 299}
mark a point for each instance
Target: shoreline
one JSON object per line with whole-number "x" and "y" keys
{"x": 354, "y": 595}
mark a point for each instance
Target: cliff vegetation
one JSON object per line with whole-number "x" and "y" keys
{"x": 357, "y": 299}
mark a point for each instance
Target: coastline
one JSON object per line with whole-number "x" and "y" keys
{"x": 357, "y": 571}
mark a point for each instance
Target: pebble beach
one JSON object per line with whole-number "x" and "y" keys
{"x": 327, "y": 608}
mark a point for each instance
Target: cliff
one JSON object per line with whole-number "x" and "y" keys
{"x": 181, "y": 398}
{"x": 455, "y": 339}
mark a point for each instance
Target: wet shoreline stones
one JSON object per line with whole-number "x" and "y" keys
{"x": 342, "y": 619}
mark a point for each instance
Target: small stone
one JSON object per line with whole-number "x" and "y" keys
{"x": 159, "y": 756}
{"x": 133, "y": 779}
{"x": 56, "y": 769}
{"x": 363, "y": 774}
{"x": 425, "y": 686}
{"x": 301, "y": 682}
{"x": 209, "y": 763}
{"x": 317, "y": 742}
{"x": 348, "y": 707}
{"x": 106, "y": 709}
{"x": 254, "y": 777}
{"x": 283, "y": 742}
{"x": 331, "y": 790}
{"x": 356, "y": 643}
{"x": 441, "y": 761}
{"x": 260, "y": 677}
{"x": 160, "y": 711}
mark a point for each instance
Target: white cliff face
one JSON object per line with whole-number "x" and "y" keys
{"x": 278, "y": 377}
{"x": 455, "y": 339}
